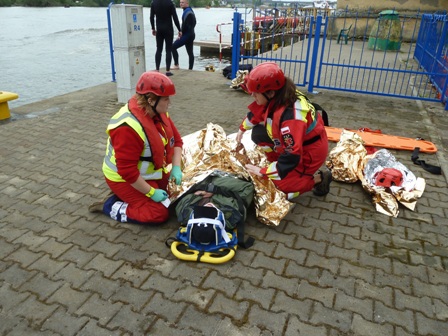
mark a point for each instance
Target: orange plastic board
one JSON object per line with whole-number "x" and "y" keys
{"x": 384, "y": 140}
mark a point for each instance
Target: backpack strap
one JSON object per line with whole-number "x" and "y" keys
{"x": 430, "y": 168}
{"x": 208, "y": 215}
{"x": 241, "y": 207}
{"x": 324, "y": 114}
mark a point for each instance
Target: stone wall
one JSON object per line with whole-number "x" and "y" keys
{"x": 361, "y": 27}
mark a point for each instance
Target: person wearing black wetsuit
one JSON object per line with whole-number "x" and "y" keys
{"x": 186, "y": 36}
{"x": 165, "y": 13}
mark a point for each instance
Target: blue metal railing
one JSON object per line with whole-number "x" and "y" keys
{"x": 361, "y": 66}
{"x": 264, "y": 37}
{"x": 432, "y": 51}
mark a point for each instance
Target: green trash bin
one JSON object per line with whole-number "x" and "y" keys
{"x": 386, "y": 32}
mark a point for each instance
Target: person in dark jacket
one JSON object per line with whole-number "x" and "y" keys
{"x": 186, "y": 36}
{"x": 165, "y": 13}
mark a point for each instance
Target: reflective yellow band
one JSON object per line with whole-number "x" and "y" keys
{"x": 150, "y": 192}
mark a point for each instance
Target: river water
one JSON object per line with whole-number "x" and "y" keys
{"x": 46, "y": 52}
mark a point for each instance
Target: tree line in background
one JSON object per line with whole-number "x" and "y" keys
{"x": 92, "y": 3}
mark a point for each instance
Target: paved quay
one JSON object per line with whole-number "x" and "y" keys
{"x": 334, "y": 266}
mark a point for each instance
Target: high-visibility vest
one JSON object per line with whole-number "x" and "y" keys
{"x": 145, "y": 165}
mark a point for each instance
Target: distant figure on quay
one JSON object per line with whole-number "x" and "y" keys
{"x": 186, "y": 36}
{"x": 165, "y": 13}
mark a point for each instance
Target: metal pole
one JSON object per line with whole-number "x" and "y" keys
{"x": 236, "y": 44}
{"x": 218, "y": 29}
{"x": 111, "y": 44}
{"x": 315, "y": 52}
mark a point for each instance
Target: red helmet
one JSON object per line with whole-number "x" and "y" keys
{"x": 264, "y": 77}
{"x": 389, "y": 177}
{"x": 155, "y": 82}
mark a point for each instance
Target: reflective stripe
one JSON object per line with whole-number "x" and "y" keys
{"x": 266, "y": 149}
{"x": 144, "y": 165}
{"x": 247, "y": 124}
{"x": 269, "y": 127}
{"x": 114, "y": 211}
{"x": 108, "y": 157}
{"x": 298, "y": 111}
{"x": 123, "y": 208}
{"x": 157, "y": 175}
{"x": 301, "y": 110}
{"x": 291, "y": 195}
{"x": 271, "y": 171}
{"x": 118, "y": 211}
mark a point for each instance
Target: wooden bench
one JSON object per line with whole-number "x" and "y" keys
{"x": 5, "y": 97}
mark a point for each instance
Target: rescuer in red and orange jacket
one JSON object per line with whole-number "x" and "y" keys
{"x": 143, "y": 144}
{"x": 287, "y": 127}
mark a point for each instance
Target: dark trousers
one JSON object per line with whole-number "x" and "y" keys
{"x": 186, "y": 41}
{"x": 161, "y": 37}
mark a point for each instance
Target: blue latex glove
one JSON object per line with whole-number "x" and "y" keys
{"x": 176, "y": 174}
{"x": 159, "y": 195}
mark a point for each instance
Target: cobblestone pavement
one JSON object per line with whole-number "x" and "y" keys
{"x": 334, "y": 266}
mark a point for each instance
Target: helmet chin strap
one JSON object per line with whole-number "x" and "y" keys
{"x": 154, "y": 108}
{"x": 267, "y": 97}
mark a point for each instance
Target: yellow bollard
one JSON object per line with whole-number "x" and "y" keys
{"x": 5, "y": 97}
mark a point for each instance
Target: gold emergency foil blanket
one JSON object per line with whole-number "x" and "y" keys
{"x": 210, "y": 149}
{"x": 386, "y": 201}
{"x": 348, "y": 160}
{"x": 383, "y": 200}
{"x": 239, "y": 79}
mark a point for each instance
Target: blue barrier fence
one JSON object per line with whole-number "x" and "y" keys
{"x": 432, "y": 50}
{"x": 386, "y": 54}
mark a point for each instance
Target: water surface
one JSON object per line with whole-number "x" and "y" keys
{"x": 46, "y": 52}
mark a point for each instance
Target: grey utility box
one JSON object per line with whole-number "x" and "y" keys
{"x": 128, "y": 36}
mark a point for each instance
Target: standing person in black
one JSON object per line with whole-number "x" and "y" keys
{"x": 186, "y": 36}
{"x": 165, "y": 13}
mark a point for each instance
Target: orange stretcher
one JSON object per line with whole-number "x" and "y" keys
{"x": 384, "y": 140}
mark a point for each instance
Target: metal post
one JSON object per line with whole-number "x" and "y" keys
{"x": 236, "y": 44}
{"x": 111, "y": 44}
{"x": 315, "y": 52}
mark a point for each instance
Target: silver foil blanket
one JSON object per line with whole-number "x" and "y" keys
{"x": 349, "y": 162}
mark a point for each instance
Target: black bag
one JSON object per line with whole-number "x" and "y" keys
{"x": 227, "y": 71}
